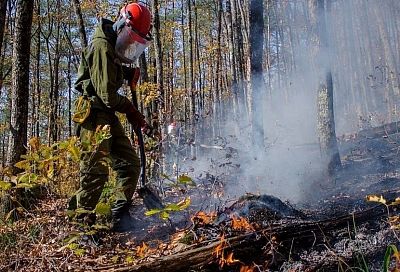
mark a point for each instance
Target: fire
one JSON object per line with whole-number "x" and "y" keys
{"x": 241, "y": 224}
{"x": 203, "y": 218}
{"x": 246, "y": 268}
{"x": 141, "y": 250}
{"x": 223, "y": 258}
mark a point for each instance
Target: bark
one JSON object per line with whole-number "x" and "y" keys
{"x": 192, "y": 93}
{"x": 256, "y": 67}
{"x": 326, "y": 120}
{"x": 3, "y": 11}
{"x": 20, "y": 83}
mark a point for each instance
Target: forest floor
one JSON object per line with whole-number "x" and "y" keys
{"x": 44, "y": 240}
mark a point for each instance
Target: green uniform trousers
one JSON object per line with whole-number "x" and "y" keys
{"x": 116, "y": 152}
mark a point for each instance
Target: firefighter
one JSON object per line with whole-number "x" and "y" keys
{"x": 100, "y": 75}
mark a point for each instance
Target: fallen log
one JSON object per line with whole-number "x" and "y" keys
{"x": 252, "y": 245}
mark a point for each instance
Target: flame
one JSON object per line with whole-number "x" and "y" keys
{"x": 246, "y": 268}
{"x": 203, "y": 218}
{"x": 219, "y": 252}
{"x": 241, "y": 224}
{"x": 141, "y": 250}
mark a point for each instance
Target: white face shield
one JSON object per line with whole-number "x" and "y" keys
{"x": 130, "y": 45}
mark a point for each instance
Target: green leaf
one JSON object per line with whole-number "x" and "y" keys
{"x": 164, "y": 215}
{"x": 183, "y": 179}
{"x": 28, "y": 178}
{"x": 172, "y": 207}
{"x": 4, "y": 186}
{"x": 103, "y": 209}
{"x": 129, "y": 259}
{"x": 24, "y": 164}
{"x": 391, "y": 249}
{"x": 74, "y": 152}
{"x": 24, "y": 185}
{"x": 152, "y": 212}
{"x": 79, "y": 252}
{"x": 64, "y": 145}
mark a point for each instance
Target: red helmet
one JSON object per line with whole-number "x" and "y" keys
{"x": 138, "y": 17}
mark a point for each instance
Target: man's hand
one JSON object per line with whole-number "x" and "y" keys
{"x": 135, "y": 118}
{"x": 132, "y": 75}
{"x": 149, "y": 131}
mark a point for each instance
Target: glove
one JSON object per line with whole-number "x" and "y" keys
{"x": 135, "y": 117}
{"x": 148, "y": 130}
{"x": 132, "y": 75}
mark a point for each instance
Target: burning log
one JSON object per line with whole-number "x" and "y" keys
{"x": 251, "y": 246}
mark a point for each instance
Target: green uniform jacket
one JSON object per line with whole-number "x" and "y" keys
{"x": 100, "y": 71}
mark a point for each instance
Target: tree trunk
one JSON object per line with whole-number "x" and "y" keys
{"x": 3, "y": 11}
{"x": 20, "y": 83}
{"x": 192, "y": 107}
{"x": 81, "y": 24}
{"x": 257, "y": 80}
{"x": 326, "y": 121}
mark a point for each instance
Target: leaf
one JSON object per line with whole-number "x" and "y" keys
{"x": 152, "y": 212}
{"x": 79, "y": 252}
{"x": 396, "y": 202}
{"x": 172, "y": 207}
{"x": 28, "y": 178}
{"x": 184, "y": 203}
{"x": 4, "y": 186}
{"x": 74, "y": 152}
{"x": 34, "y": 143}
{"x": 24, "y": 185}
{"x": 375, "y": 198}
{"x": 24, "y": 165}
{"x": 186, "y": 180}
{"x": 164, "y": 215}
{"x": 103, "y": 209}
{"x": 129, "y": 259}
{"x": 388, "y": 254}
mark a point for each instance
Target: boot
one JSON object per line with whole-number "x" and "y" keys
{"x": 121, "y": 218}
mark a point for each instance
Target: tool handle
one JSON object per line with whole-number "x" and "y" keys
{"x": 142, "y": 157}
{"x": 138, "y": 131}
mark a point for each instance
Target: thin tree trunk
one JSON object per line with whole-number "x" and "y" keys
{"x": 326, "y": 121}
{"x": 20, "y": 83}
{"x": 192, "y": 107}
{"x": 257, "y": 81}
{"x": 81, "y": 24}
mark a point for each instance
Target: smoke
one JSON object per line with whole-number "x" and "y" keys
{"x": 290, "y": 167}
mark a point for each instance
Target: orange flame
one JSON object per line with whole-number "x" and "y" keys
{"x": 141, "y": 250}
{"x": 241, "y": 224}
{"x": 203, "y": 218}
{"x": 220, "y": 254}
{"x": 246, "y": 268}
